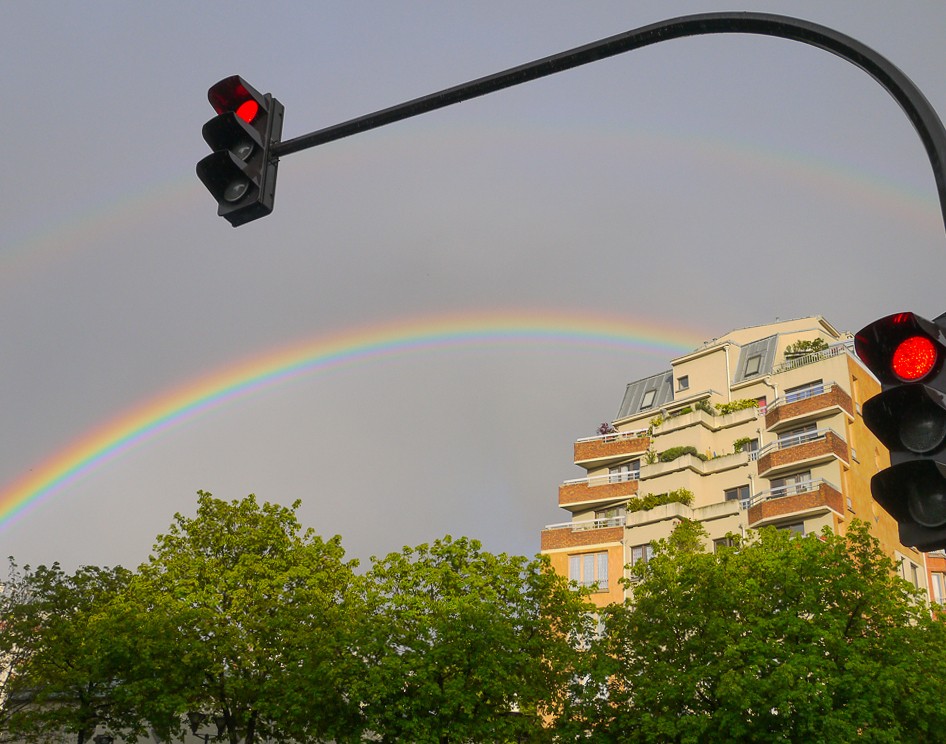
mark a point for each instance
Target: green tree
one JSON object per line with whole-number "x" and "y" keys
{"x": 777, "y": 639}
{"x": 460, "y": 645}
{"x": 56, "y": 646}
{"x": 241, "y": 616}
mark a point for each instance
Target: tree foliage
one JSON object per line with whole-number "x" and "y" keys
{"x": 241, "y": 617}
{"x": 56, "y": 644}
{"x": 778, "y": 639}
{"x": 464, "y": 645}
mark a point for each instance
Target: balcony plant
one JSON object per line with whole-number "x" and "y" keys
{"x": 736, "y": 405}
{"x": 650, "y": 500}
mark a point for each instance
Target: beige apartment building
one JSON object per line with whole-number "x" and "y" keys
{"x": 756, "y": 428}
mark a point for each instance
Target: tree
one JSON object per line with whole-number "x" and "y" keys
{"x": 240, "y": 616}
{"x": 61, "y": 673}
{"x": 779, "y": 638}
{"x": 460, "y": 645}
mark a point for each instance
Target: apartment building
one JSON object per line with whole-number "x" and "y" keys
{"x": 759, "y": 427}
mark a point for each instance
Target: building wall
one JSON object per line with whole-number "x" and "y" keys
{"x": 809, "y": 422}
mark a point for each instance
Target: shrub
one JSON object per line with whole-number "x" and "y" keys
{"x": 674, "y": 452}
{"x": 738, "y": 445}
{"x": 651, "y": 500}
{"x": 737, "y": 405}
{"x": 803, "y": 348}
{"x": 705, "y": 406}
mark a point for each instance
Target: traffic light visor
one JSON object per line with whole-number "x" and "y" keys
{"x": 236, "y": 95}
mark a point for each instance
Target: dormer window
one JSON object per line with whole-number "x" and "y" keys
{"x": 753, "y": 365}
{"x": 648, "y": 400}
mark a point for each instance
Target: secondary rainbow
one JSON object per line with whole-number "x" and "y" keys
{"x": 172, "y": 408}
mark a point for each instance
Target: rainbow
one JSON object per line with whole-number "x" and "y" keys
{"x": 176, "y": 406}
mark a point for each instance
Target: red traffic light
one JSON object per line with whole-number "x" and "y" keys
{"x": 248, "y": 110}
{"x": 235, "y": 94}
{"x": 902, "y": 348}
{"x": 240, "y": 173}
{"x": 914, "y": 358}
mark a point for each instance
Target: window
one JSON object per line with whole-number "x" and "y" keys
{"x": 800, "y": 392}
{"x": 798, "y": 436}
{"x": 797, "y": 527}
{"x": 762, "y": 404}
{"x": 910, "y": 571}
{"x": 791, "y": 485}
{"x": 751, "y": 446}
{"x": 589, "y": 569}
{"x": 683, "y": 382}
{"x": 612, "y": 512}
{"x": 753, "y": 365}
{"x": 739, "y": 493}
{"x": 722, "y": 542}
{"x": 641, "y": 553}
{"x": 626, "y": 471}
{"x": 939, "y": 588}
{"x": 648, "y": 400}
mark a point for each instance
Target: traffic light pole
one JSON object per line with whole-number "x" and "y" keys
{"x": 924, "y": 118}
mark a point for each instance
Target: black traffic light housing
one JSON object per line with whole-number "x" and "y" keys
{"x": 241, "y": 171}
{"x": 907, "y": 354}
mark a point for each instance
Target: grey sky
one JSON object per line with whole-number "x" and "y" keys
{"x": 692, "y": 187}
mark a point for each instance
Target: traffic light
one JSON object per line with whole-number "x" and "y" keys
{"x": 907, "y": 354}
{"x": 241, "y": 171}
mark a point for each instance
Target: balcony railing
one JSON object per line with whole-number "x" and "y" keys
{"x": 819, "y": 445}
{"x": 793, "y": 489}
{"x": 798, "y": 500}
{"x": 615, "y": 436}
{"x": 811, "y": 402}
{"x": 846, "y": 347}
{"x": 583, "y": 534}
{"x": 602, "y": 488}
{"x": 614, "y": 446}
{"x": 795, "y": 440}
{"x": 589, "y": 524}
{"x": 602, "y": 480}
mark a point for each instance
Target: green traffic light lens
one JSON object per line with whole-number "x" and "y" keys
{"x": 922, "y": 427}
{"x": 929, "y": 507}
{"x": 236, "y": 190}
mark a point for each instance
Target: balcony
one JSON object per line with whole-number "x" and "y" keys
{"x": 799, "y": 500}
{"x": 582, "y": 534}
{"x": 805, "y": 449}
{"x": 598, "y": 488}
{"x": 808, "y": 405}
{"x": 609, "y": 447}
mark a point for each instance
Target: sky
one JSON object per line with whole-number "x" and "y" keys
{"x": 436, "y": 310}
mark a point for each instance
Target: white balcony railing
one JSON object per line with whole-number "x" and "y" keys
{"x": 588, "y": 524}
{"x": 601, "y": 480}
{"x": 846, "y": 347}
{"x": 615, "y": 436}
{"x": 795, "y": 439}
{"x": 791, "y": 489}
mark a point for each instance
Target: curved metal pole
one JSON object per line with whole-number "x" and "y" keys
{"x": 928, "y": 125}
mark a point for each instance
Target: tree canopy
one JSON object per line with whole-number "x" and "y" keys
{"x": 256, "y": 629}
{"x": 777, "y": 638}
{"x": 243, "y": 613}
{"x": 465, "y": 646}
{"x": 56, "y": 645}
